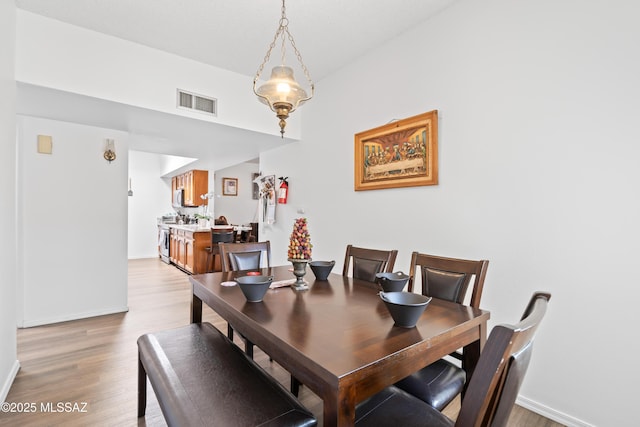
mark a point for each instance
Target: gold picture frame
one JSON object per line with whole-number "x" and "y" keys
{"x": 399, "y": 154}
{"x": 229, "y": 186}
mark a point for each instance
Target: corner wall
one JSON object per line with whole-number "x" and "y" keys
{"x": 8, "y": 272}
{"x": 538, "y": 105}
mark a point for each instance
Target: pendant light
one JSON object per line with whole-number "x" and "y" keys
{"x": 282, "y": 93}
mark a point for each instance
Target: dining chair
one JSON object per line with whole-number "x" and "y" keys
{"x": 253, "y": 234}
{"x": 445, "y": 278}
{"x": 221, "y": 220}
{"x": 492, "y": 390}
{"x": 368, "y": 262}
{"x": 218, "y": 235}
{"x": 244, "y": 256}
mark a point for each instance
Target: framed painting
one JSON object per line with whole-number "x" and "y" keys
{"x": 399, "y": 154}
{"x": 229, "y": 186}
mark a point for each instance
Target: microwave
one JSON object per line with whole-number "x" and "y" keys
{"x": 178, "y": 198}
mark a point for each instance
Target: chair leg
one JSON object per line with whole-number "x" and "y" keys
{"x": 295, "y": 386}
{"x": 248, "y": 348}
{"x": 142, "y": 389}
{"x": 229, "y": 332}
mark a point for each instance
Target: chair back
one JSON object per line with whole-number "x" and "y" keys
{"x": 495, "y": 383}
{"x": 253, "y": 234}
{"x": 222, "y": 236}
{"x": 245, "y": 256}
{"x": 368, "y": 262}
{"x": 221, "y": 220}
{"x": 448, "y": 278}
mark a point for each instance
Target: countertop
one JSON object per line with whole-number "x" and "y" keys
{"x": 195, "y": 228}
{"x": 190, "y": 227}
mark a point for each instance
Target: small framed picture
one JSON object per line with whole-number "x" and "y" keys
{"x": 229, "y": 186}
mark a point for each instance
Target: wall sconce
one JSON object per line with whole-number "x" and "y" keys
{"x": 110, "y": 151}
{"x": 130, "y": 192}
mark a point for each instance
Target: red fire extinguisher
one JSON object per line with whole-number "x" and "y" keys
{"x": 283, "y": 191}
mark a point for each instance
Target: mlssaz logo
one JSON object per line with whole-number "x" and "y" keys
{"x": 63, "y": 407}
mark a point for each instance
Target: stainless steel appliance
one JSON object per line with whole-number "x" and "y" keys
{"x": 178, "y": 198}
{"x": 163, "y": 242}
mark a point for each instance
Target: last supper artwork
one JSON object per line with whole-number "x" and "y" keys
{"x": 400, "y": 154}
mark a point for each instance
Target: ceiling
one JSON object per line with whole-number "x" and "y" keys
{"x": 230, "y": 34}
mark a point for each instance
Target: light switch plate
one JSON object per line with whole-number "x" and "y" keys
{"x": 45, "y": 144}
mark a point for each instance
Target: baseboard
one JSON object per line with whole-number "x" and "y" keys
{"x": 75, "y": 316}
{"x": 551, "y": 413}
{"x": 6, "y": 386}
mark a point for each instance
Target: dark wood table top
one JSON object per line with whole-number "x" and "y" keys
{"x": 338, "y": 338}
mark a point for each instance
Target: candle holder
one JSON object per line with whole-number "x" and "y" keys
{"x": 299, "y": 270}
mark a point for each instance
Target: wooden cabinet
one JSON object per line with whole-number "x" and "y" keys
{"x": 194, "y": 183}
{"x": 188, "y": 252}
{"x": 188, "y": 249}
{"x": 175, "y": 251}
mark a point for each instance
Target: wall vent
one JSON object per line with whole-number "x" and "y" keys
{"x": 195, "y": 102}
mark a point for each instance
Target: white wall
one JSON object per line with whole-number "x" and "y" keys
{"x": 62, "y": 56}
{"x": 72, "y": 207}
{"x": 240, "y": 209}
{"x": 538, "y": 106}
{"x": 151, "y": 199}
{"x": 8, "y": 354}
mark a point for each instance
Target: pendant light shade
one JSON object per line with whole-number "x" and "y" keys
{"x": 282, "y": 87}
{"x": 282, "y": 93}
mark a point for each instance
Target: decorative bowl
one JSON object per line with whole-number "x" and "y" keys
{"x": 405, "y": 307}
{"x": 322, "y": 269}
{"x": 392, "y": 282}
{"x": 254, "y": 287}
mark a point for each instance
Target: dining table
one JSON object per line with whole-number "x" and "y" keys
{"x": 338, "y": 338}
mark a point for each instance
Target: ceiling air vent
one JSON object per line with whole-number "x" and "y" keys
{"x": 194, "y": 102}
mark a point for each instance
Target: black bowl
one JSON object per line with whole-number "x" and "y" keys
{"x": 254, "y": 287}
{"x": 405, "y": 307}
{"x": 392, "y": 282}
{"x": 322, "y": 269}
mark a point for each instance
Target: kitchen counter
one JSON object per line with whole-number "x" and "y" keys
{"x": 188, "y": 244}
{"x": 188, "y": 247}
{"x": 196, "y": 228}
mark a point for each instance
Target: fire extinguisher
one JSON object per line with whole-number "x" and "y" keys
{"x": 283, "y": 190}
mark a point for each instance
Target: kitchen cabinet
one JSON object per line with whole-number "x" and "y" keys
{"x": 174, "y": 247}
{"x": 187, "y": 249}
{"x": 194, "y": 183}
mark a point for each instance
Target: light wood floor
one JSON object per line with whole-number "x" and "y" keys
{"x": 94, "y": 361}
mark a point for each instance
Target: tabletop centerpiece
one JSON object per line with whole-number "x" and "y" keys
{"x": 299, "y": 252}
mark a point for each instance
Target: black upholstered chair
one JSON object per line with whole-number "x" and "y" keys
{"x": 244, "y": 256}
{"x": 444, "y": 278}
{"x": 217, "y": 236}
{"x": 492, "y": 390}
{"x": 368, "y": 262}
